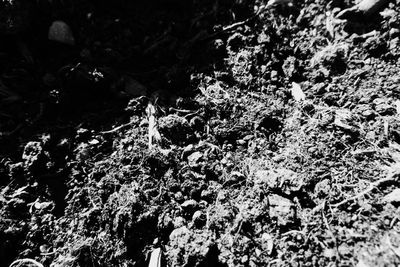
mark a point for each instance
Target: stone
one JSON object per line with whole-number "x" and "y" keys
{"x": 281, "y": 209}
{"x": 383, "y": 107}
{"x": 33, "y": 156}
{"x": 199, "y": 219}
{"x": 191, "y": 248}
{"x": 59, "y": 31}
{"x": 393, "y": 197}
{"x": 194, "y": 159}
{"x": 190, "y": 206}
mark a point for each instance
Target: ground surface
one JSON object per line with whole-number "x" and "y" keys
{"x": 240, "y": 173}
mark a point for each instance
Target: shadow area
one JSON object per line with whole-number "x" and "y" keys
{"x": 53, "y": 93}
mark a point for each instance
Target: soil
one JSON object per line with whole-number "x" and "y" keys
{"x": 243, "y": 168}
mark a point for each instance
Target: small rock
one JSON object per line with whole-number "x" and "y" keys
{"x": 197, "y": 123}
{"x": 282, "y": 209}
{"x": 241, "y": 142}
{"x": 322, "y": 188}
{"x": 245, "y": 259}
{"x": 268, "y": 243}
{"x": 191, "y": 248}
{"x": 59, "y": 31}
{"x": 274, "y": 76}
{"x": 179, "y": 222}
{"x": 176, "y": 129}
{"x": 290, "y": 66}
{"x": 33, "y": 156}
{"x": 345, "y": 250}
{"x": 394, "y": 32}
{"x": 178, "y": 197}
{"x": 248, "y": 137}
{"x": 383, "y": 108}
{"x": 234, "y": 178}
{"x": 190, "y": 206}
{"x": 44, "y": 205}
{"x": 329, "y": 253}
{"x": 375, "y": 45}
{"x": 199, "y": 219}
{"x": 194, "y": 159}
{"x": 346, "y": 120}
{"x": 189, "y": 149}
{"x": 393, "y": 197}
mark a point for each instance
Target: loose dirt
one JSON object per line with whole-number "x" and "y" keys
{"x": 243, "y": 169}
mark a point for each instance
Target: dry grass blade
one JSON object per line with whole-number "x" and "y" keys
{"x": 116, "y": 129}
{"x": 155, "y": 258}
{"x": 154, "y": 135}
{"x": 22, "y": 262}
{"x": 391, "y": 177}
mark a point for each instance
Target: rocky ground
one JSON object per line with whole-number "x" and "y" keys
{"x": 274, "y": 134}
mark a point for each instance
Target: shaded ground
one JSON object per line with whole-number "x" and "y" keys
{"x": 242, "y": 174}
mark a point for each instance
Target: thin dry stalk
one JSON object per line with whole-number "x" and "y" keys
{"x": 21, "y": 262}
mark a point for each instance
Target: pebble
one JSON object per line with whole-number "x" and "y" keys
{"x": 59, "y": 31}
{"x": 282, "y": 209}
{"x": 382, "y": 107}
{"x": 245, "y": 259}
{"x": 274, "y": 76}
{"x": 179, "y": 222}
{"x": 178, "y": 197}
{"x": 187, "y": 151}
{"x": 189, "y": 205}
{"x": 194, "y": 159}
{"x": 199, "y": 219}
